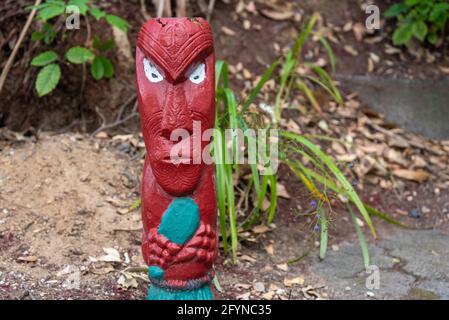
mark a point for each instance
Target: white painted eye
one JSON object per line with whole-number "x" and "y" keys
{"x": 152, "y": 73}
{"x": 197, "y": 74}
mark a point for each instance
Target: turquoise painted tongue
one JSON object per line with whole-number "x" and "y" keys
{"x": 178, "y": 224}
{"x": 180, "y": 221}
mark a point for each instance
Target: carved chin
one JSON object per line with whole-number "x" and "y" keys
{"x": 177, "y": 180}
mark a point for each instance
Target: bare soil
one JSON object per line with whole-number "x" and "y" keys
{"x": 66, "y": 197}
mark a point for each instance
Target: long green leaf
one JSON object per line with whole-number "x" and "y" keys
{"x": 331, "y": 185}
{"x": 324, "y": 232}
{"x": 362, "y": 240}
{"x": 349, "y": 190}
{"x": 265, "y": 77}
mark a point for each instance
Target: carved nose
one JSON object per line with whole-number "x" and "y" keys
{"x": 176, "y": 114}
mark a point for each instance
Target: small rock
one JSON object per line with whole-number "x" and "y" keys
{"x": 259, "y": 286}
{"x": 415, "y": 213}
{"x": 244, "y": 296}
{"x": 101, "y": 135}
{"x": 283, "y": 267}
{"x": 425, "y": 210}
{"x": 123, "y": 211}
{"x": 269, "y": 295}
{"x": 124, "y": 147}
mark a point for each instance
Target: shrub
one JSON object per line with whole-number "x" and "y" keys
{"x": 93, "y": 53}
{"x": 420, "y": 19}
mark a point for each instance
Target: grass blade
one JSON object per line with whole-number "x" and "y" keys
{"x": 265, "y": 77}
{"x": 349, "y": 190}
{"x": 324, "y": 236}
{"x": 330, "y": 52}
{"x": 361, "y": 236}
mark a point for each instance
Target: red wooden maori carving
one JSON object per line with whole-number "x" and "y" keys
{"x": 175, "y": 67}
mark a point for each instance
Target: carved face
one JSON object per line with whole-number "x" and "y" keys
{"x": 175, "y": 80}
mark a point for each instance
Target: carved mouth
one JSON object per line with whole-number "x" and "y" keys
{"x": 177, "y": 160}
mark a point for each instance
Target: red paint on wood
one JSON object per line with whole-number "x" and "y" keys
{"x": 174, "y": 46}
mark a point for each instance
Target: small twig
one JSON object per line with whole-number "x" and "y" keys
{"x": 17, "y": 46}
{"x": 411, "y": 142}
{"x": 160, "y": 8}
{"x": 210, "y": 10}
{"x": 181, "y": 8}
{"x": 89, "y": 31}
{"x": 168, "y": 12}
{"x": 122, "y": 108}
{"x": 118, "y": 120}
{"x": 141, "y": 269}
{"x": 143, "y": 10}
{"x": 11, "y": 15}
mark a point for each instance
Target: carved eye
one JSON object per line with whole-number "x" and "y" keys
{"x": 197, "y": 73}
{"x": 152, "y": 73}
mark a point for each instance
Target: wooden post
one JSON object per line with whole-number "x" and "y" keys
{"x": 175, "y": 66}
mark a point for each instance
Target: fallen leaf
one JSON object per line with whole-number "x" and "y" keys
{"x": 358, "y": 29}
{"x": 395, "y": 156}
{"x": 412, "y": 175}
{"x": 122, "y": 137}
{"x": 338, "y": 148}
{"x": 370, "y": 65}
{"x": 281, "y": 191}
{"x": 112, "y": 255}
{"x": 103, "y": 270}
{"x": 127, "y": 281}
{"x": 259, "y": 286}
{"x": 351, "y": 50}
{"x": 27, "y": 259}
{"x": 246, "y": 24}
{"x": 123, "y": 211}
{"x": 244, "y": 296}
{"x": 277, "y": 15}
{"x": 283, "y": 267}
{"x": 269, "y": 295}
{"x": 445, "y": 70}
{"x": 294, "y": 281}
{"x": 293, "y": 127}
{"x": 260, "y": 229}
{"x": 227, "y": 31}
{"x": 270, "y": 249}
{"x": 310, "y": 293}
{"x": 240, "y": 286}
{"x": 248, "y": 258}
{"x": 101, "y": 135}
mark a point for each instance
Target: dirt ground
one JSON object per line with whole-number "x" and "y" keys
{"x": 66, "y": 231}
{"x": 67, "y": 197}
{"x": 244, "y": 37}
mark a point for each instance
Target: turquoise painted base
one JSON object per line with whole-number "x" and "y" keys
{"x": 156, "y": 293}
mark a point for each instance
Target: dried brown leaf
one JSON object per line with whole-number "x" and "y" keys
{"x": 412, "y": 175}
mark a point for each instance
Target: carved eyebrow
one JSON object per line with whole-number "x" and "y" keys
{"x": 173, "y": 68}
{"x": 161, "y": 65}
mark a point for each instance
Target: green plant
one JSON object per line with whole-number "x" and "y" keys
{"x": 324, "y": 180}
{"x": 420, "y": 19}
{"x": 322, "y": 177}
{"x": 52, "y": 14}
